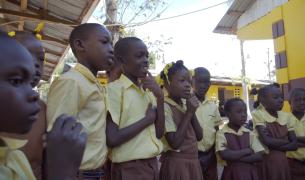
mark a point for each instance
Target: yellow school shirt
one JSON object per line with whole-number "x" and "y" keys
{"x": 261, "y": 117}
{"x": 127, "y": 104}
{"x": 221, "y": 141}
{"x": 13, "y": 163}
{"x": 78, "y": 93}
{"x": 208, "y": 117}
{"x": 299, "y": 129}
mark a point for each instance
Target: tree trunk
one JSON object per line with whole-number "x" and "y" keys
{"x": 244, "y": 82}
{"x": 111, "y": 19}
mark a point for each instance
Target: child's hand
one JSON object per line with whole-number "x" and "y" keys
{"x": 192, "y": 104}
{"x": 65, "y": 148}
{"x": 149, "y": 83}
{"x": 151, "y": 114}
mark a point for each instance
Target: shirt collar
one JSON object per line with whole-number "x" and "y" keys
{"x": 85, "y": 72}
{"x": 127, "y": 83}
{"x": 173, "y": 103}
{"x": 265, "y": 114}
{"x": 240, "y": 131}
{"x": 13, "y": 143}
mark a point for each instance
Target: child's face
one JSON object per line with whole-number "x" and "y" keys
{"x": 298, "y": 102}
{"x": 201, "y": 83}
{"x": 238, "y": 113}
{"x": 36, "y": 49}
{"x": 19, "y": 103}
{"x": 180, "y": 84}
{"x": 273, "y": 99}
{"x": 98, "y": 49}
{"x": 135, "y": 62}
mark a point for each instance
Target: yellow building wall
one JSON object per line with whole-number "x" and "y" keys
{"x": 293, "y": 42}
{"x": 212, "y": 94}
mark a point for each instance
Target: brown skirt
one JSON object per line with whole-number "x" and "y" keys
{"x": 176, "y": 166}
{"x": 240, "y": 171}
{"x": 274, "y": 166}
{"x": 144, "y": 169}
{"x": 297, "y": 169}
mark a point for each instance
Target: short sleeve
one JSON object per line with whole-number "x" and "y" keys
{"x": 256, "y": 145}
{"x": 221, "y": 141}
{"x": 170, "y": 125}
{"x": 258, "y": 120}
{"x": 114, "y": 99}
{"x": 65, "y": 97}
{"x": 291, "y": 123}
{"x": 217, "y": 119}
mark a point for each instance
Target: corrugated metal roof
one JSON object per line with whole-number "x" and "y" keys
{"x": 60, "y": 17}
{"x": 228, "y": 23}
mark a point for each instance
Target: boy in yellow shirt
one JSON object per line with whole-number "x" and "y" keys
{"x": 18, "y": 111}
{"x": 209, "y": 119}
{"x": 134, "y": 126}
{"x": 79, "y": 93}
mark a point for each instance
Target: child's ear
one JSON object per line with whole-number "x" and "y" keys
{"x": 78, "y": 45}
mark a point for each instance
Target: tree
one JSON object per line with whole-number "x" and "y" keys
{"x": 122, "y": 14}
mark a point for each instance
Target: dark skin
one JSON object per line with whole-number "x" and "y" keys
{"x": 273, "y": 102}
{"x": 96, "y": 51}
{"x": 135, "y": 67}
{"x": 19, "y": 109}
{"x": 297, "y": 103}
{"x": 237, "y": 118}
{"x": 201, "y": 83}
{"x": 178, "y": 88}
{"x": 34, "y": 148}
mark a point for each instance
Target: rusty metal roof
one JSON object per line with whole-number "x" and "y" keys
{"x": 60, "y": 16}
{"x": 228, "y": 23}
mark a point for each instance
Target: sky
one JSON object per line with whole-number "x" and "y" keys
{"x": 194, "y": 42}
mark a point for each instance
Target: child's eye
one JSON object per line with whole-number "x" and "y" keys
{"x": 17, "y": 81}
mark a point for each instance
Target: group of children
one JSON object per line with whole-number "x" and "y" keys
{"x": 136, "y": 123}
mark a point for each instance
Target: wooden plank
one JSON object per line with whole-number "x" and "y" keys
{"x": 45, "y": 4}
{"x": 55, "y": 53}
{"x": 43, "y": 15}
{"x": 23, "y": 7}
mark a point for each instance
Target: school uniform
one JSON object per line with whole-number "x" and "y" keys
{"x": 209, "y": 118}
{"x": 182, "y": 163}
{"x": 135, "y": 159}
{"x": 78, "y": 93}
{"x": 13, "y": 163}
{"x": 228, "y": 138}
{"x": 275, "y": 164}
{"x": 296, "y": 158}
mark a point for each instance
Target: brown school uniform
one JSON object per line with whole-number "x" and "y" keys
{"x": 296, "y": 158}
{"x": 275, "y": 164}
{"x": 182, "y": 164}
{"x": 227, "y": 138}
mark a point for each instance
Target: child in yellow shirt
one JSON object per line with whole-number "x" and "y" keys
{"x": 297, "y": 158}
{"x": 135, "y": 115}
{"x": 18, "y": 111}
{"x": 209, "y": 119}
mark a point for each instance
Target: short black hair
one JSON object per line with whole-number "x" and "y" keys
{"x": 261, "y": 93}
{"x": 229, "y": 103}
{"x": 178, "y": 65}
{"x": 295, "y": 92}
{"x": 202, "y": 70}
{"x": 121, "y": 46}
{"x": 81, "y": 32}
